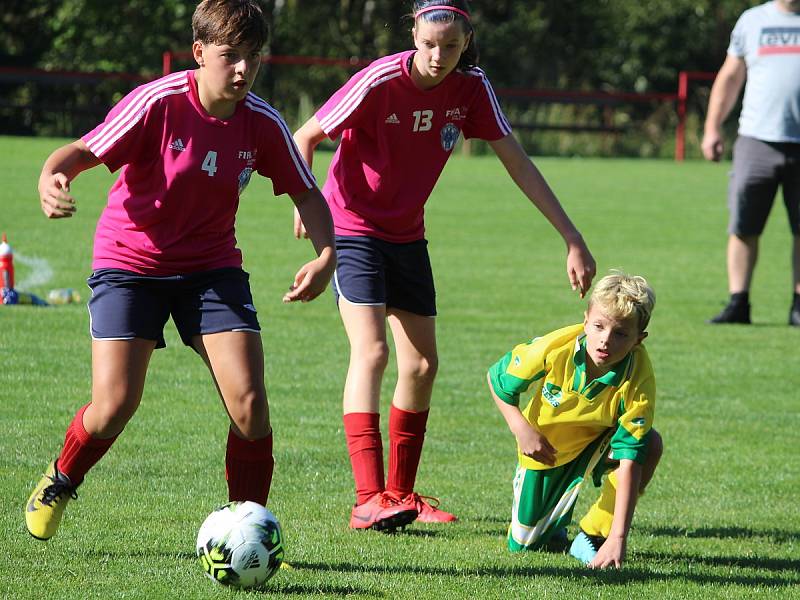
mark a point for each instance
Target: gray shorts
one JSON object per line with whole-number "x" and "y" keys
{"x": 758, "y": 169}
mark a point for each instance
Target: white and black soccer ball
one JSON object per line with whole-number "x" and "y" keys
{"x": 240, "y": 544}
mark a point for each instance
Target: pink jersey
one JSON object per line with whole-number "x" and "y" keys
{"x": 396, "y": 139}
{"x": 173, "y": 206}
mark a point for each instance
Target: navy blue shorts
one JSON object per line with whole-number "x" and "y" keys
{"x": 126, "y": 305}
{"x": 374, "y": 272}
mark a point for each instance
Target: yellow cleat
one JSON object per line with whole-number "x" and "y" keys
{"x": 47, "y": 502}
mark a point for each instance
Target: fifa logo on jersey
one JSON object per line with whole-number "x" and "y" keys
{"x": 552, "y": 393}
{"x": 456, "y": 114}
{"x": 244, "y": 178}
{"x": 449, "y": 136}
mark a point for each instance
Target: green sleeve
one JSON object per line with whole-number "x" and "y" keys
{"x": 635, "y": 422}
{"x": 508, "y": 387}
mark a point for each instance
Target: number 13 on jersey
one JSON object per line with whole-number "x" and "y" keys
{"x": 422, "y": 119}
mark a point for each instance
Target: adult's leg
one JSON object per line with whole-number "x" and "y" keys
{"x": 794, "y": 310}
{"x": 791, "y": 198}
{"x": 751, "y": 192}
{"x": 236, "y": 362}
{"x": 796, "y": 263}
{"x": 742, "y": 256}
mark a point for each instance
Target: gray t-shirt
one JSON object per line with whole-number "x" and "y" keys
{"x": 769, "y": 41}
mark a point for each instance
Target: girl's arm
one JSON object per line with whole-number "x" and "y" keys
{"x": 307, "y": 139}
{"x": 612, "y": 552}
{"x": 580, "y": 263}
{"x": 313, "y": 277}
{"x": 60, "y": 168}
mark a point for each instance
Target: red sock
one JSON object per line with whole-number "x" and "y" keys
{"x": 364, "y": 444}
{"x": 248, "y": 468}
{"x": 406, "y": 436}
{"x": 81, "y": 451}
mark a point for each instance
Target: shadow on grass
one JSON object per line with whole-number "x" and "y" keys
{"x": 139, "y": 553}
{"x": 741, "y": 562}
{"x": 779, "y": 536}
{"x": 623, "y": 576}
{"x": 308, "y": 590}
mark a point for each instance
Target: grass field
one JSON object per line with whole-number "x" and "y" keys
{"x": 720, "y": 519}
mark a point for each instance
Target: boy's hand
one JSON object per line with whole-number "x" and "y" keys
{"x": 54, "y": 196}
{"x": 533, "y": 444}
{"x": 610, "y": 554}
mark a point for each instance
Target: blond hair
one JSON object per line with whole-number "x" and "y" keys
{"x": 620, "y": 295}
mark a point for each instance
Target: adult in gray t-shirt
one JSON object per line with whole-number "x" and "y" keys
{"x": 765, "y": 52}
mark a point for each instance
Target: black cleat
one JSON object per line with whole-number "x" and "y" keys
{"x": 734, "y": 312}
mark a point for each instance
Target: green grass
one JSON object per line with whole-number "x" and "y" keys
{"x": 720, "y": 519}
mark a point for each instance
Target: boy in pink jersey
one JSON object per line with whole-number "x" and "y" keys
{"x": 398, "y": 120}
{"x": 186, "y": 146}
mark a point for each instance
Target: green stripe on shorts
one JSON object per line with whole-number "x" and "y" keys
{"x": 544, "y": 499}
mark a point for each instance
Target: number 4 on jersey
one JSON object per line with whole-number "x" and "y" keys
{"x": 210, "y": 163}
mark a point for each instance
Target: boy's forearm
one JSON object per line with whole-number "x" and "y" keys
{"x": 629, "y": 474}
{"x": 512, "y": 415}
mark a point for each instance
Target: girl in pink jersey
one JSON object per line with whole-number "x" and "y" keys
{"x": 186, "y": 146}
{"x": 399, "y": 119}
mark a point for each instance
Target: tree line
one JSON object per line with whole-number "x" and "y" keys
{"x": 605, "y": 45}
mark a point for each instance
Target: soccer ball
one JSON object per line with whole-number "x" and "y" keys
{"x": 240, "y": 544}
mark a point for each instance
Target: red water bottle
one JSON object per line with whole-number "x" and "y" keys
{"x": 6, "y": 265}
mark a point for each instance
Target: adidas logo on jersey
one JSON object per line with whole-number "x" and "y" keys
{"x": 392, "y": 119}
{"x": 177, "y": 145}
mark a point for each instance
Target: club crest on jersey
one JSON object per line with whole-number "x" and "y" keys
{"x": 449, "y": 136}
{"x": 244, "y": 178}
{"x": 552, "y": 393}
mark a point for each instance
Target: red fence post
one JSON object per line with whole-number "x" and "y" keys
{"x": 680, "y": 131}
{"x": 166, "y": 63}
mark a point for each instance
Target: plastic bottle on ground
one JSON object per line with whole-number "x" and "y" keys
{"x": 6, "y": 264}
{"x": 63, "y": 296}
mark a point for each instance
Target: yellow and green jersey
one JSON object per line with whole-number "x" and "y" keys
{"x": 570, "y": 411}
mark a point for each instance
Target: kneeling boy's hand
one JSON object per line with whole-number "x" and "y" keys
{"x": 610, "y": 554}
{"x": 533, "y": 443}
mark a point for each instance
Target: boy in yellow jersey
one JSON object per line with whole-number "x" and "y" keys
{"x": 591, "y": 412}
